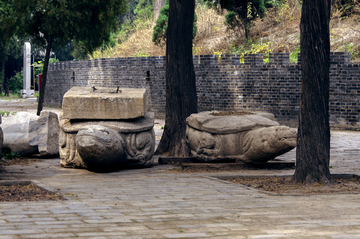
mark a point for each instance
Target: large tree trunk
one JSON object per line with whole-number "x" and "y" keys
{"x": 313, "y": 142}
{"x": 158, "y": 4}
{"x": 181, "y": 99}
{"x": 44, "y": 77}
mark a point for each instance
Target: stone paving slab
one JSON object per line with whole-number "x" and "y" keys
{"x": 157, "y": 202}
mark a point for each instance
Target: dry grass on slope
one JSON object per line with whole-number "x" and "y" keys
{"x": 277, "y": 32}
{"x": 280, "y": 27}
{"x": 210, "y": 36}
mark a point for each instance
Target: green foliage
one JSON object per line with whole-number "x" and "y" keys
{"x": 254, "y": 48}
{"x": 218, "y": 54}
{"x": 86, "y": 21}
{"x": 141, "y": 53}
{"x": 240, "y": 13}
{"x": 11, "y": 52}
{"x": 138, "y": 16}
{"x": 160, "y": 29}
{"x": 285, "y": 13}
{"x": 2, "y": 76}
{"x": 349, "y": 47}
{"x": 294, "y": 55}
{"x": 7, "y": 22}
{"x": 272, "y": 3}
{"x": 159, "y": 34}
{"x": 6, "y": 113}
{"x": 144, "y": 9}
{"x": 231, "y": 20}
{"x": 79, "y": 52}
{"x": 345, "y": 7}
{"x": 8, "y": 154}
{"x": 39, "y": 67}
{"x": 63, "y": 52}
{"x": 16, "y": 82}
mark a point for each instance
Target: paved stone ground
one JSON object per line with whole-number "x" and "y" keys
{"x": 159, "y": 203}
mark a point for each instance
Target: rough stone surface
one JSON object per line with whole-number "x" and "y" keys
{"x": 44, "y": 133}
{"x": 209, "y": 121}
{"x": 104, "y": 103}
{"x": 249, "y": 138}
{"x": 107, "y": 145}
{"x": 26, "y": 133}
{"x": 16, "y": 133}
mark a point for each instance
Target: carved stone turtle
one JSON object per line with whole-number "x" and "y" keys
{"x": 107, "y": 144}
{"x": 252, "y": 137}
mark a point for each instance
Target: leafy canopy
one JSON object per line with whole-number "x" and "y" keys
{"x": 86, "y": 21}
{"x": 7, "y": 22}
{"x": 240, "y": 12}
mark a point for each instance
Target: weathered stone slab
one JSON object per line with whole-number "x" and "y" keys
{"x": 125, "y": 126}
{"x": 16, "y": 133}
{"x": 104, "y": 103}
{"x": 44, "y": 133}
{"x": 26, "y": 133}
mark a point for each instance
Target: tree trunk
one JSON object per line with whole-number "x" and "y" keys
{"x": 181, "y": 98}
{"x": 44, "y": 77}
{"x": 313, "y": 141}
{"x": 246, "y": 29}
{"x": 158, "y": 4}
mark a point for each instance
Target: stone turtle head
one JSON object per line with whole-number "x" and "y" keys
{"x": 263, "y": 144}
{"x": 278, "y": 137}
{"x": 99, "y": 147}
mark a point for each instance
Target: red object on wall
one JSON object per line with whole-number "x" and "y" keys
{"x": 40, "y": 77}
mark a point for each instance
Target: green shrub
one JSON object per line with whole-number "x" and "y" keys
{"x": 159, "y": 33}
{"x": 7, "y": 154}
{"x": 16, "y": 83}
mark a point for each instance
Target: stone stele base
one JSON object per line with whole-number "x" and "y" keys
{"x": 104, "y": 103}
{"x": 107, "y": 145}
{"x": 103, "y": 129}
{"x": 251, "y": 137}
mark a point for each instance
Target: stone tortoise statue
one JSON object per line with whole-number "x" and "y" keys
{"x": 100, "y": 145}
{"x": 251, "y": 137}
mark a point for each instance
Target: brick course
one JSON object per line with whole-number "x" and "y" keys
{"x": 221, "y": 85}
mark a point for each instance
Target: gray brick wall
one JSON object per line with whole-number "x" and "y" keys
{"x": 221, "y": 85}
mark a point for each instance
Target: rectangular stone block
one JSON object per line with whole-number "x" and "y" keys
{"x": 104, "y": 103}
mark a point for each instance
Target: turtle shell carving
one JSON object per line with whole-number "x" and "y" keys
{"x": 252, "y": 137}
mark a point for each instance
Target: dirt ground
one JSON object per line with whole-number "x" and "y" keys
{"x": 30, "y": 192}
{"x": 283, "y": 185}
{"x": 20, "y": 192}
